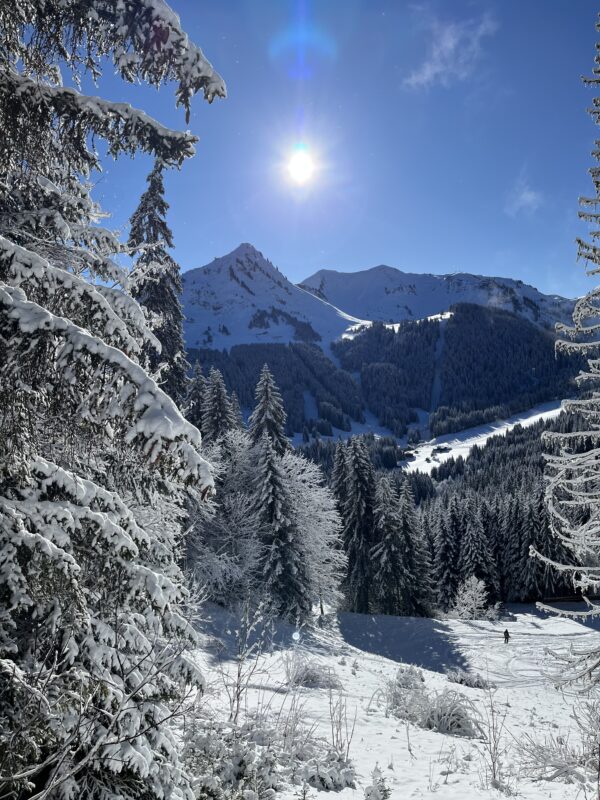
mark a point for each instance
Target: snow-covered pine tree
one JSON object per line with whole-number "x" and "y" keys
{"x": 512, "y": 548}
{"x": 475, "y": 557}
{"x": 554, "y": 583}
{"x": 532, "y": 571}
{"x": 493, "y": 531}
{"x": 283, "y": 573}
{"x": 93, "y": 455}
{"x": 217, "y": 413}
{"x": 573, "y": 464}
{"x": 316, "y": 517}
{"x": 445, "y": 571}
{"x": 339, "y": 474}
{"x": 419, "y": 600}
{"x": 357, "y": 516}
{"x": 391, "y": 581}
{"x": 156, "y": 285}
{"x": 269, "y": 414}
{"x": 195, "y": 397}
{"x": 237, "y": 412}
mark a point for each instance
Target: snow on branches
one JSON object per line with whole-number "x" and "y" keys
{"x": 149, "y": 415}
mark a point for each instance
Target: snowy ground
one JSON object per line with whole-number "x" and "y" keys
{"x": 452, "y": 445}
{"x": 364, "y": 651}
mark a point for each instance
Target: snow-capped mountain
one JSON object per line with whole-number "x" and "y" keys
{"x": 390, "y": 295}
{"x": 242, "y": 298}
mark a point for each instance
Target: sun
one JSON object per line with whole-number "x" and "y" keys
{"x": 301, "y": 166}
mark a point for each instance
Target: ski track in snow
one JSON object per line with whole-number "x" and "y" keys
{"x": 364, "y": 651}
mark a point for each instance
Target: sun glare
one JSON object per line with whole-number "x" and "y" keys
{"x": 301, "y": 166}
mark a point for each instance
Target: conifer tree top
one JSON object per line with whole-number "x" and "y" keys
{"x": 269, "y": 415}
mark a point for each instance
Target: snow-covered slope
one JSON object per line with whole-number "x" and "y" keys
{"x": 389, "y": 295}
{"x": 362, "y": 652}
{"x": 242, "y": 298}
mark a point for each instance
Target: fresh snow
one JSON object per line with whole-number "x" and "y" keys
{"x": 427, "y": 456}
{"x": 363, "y": 651}
{"x": 386, "y": 294}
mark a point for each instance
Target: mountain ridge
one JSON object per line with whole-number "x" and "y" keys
{"x": 243, "y": 298}
{"x": 397, "y": 295}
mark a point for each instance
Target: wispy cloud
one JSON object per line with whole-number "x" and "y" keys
{"x": 522, "y": 198}
{"x": 456, "y": 49}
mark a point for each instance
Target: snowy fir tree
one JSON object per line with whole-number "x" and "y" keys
{"x": 237, "y": 411}
{"x": 283, "y": 573}
{"x": 269, "y": 414}
{"x": 94, "y": 456}
{"x": 475, "y": 557}
{"x": 217, "y": 412}
{"x": 392, "y": 582}
{"x": 419, "y": 600}
{"x": 195, "y": 397}
{"x": 445, "y": 567}
{"x": 573, "y": 463}
{"x": 339, "y": 474}
{"x": 540, "y": 571}
{"x": 156, "y": 285}
{"x": 357, "y": 517}
{"x": 513, "y": 532}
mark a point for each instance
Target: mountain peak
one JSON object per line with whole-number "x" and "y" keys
{"x": 242, "y": 298}
{"x": 245, "y": 249}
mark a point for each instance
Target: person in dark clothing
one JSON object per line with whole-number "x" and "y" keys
{"x": 506, "y": 636}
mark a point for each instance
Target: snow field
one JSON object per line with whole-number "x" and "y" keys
{"x": 360, "y": 653}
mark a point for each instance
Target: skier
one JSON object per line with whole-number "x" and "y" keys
{"x": 506, "y": 636}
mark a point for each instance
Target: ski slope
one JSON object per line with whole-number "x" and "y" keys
{"x": 429, "y": 455}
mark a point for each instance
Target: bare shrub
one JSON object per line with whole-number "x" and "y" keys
{"x": 342, "y": 730}
{"x": 449, "y": 712}
{"x": 300, "y": 670}
{"x": 263, "y": 754}
{"x": 573, "y": 758}
{"x": 471, "y": 679}
{"x": 495, "y": 745}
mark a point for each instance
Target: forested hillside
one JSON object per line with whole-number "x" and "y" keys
{"x": 315, "y": 392}
{"x": 476, "y": 365}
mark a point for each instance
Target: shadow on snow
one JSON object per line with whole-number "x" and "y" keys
{"x": 424, "y": 642}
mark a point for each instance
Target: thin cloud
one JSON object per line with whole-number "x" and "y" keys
{"x": 455, "y": 51}
{"x": 523, "y": 198}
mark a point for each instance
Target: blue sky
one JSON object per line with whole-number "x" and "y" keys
{"x": 449, "y": 136}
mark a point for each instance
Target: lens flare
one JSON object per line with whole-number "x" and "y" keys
{"x": 301, "y": 166}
